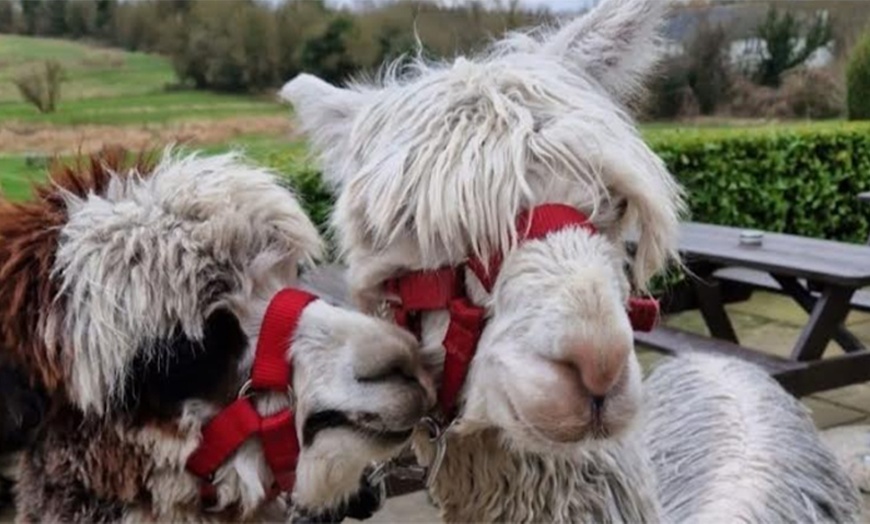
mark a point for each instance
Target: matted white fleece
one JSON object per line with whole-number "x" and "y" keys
{"x": 131, "y": 262}
{"x": 453, "y": 151}
{"x": 728, "y": 444}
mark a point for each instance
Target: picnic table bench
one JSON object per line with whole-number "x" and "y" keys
{"x": 865, "y": 197}
{"x": 823, "y": 277}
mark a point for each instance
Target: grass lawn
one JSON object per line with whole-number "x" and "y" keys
{"x": 17, "y": 175}
{"x": 110, "y": 86}
{"x": 158, "y": 107}
{"x": 92, "y": 71}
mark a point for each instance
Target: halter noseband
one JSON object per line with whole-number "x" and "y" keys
{"x": 238, "y": 422}
{"x": 444, "y": 290}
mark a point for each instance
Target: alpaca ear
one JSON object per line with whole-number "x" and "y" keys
{"x": 617, "y": 43}
{"x": 325, "y": 114}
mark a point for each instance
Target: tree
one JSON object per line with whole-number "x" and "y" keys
{"x": 55, "y": 11}
{"x": 105, "y": 17}
{"x": 30, "y": 12}
{"x": 787, "y": 42}
{"x": 8, "y": 17}
{"x": 707, "y": 66}
{"x": 227, "y": 46}
{"x": 858, "y": 80}
{"x": 81, "y": 18}
{"x": 327, "y": 55}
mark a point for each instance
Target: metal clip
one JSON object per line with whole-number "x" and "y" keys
{"x": 435, "y": 467}
{"x": 380, "y": 473}
{"x": 438, "y": 436}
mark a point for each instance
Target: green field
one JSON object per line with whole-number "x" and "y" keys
{"x": 159, "y": 107}
{"x": 93, "y": 72}
{"x": 18, "y": 174}
{"x": 109, "y": 86}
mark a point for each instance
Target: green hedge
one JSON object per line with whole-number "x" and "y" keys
{"x": 796, "y": 179}
{"x": 801, "y": 180}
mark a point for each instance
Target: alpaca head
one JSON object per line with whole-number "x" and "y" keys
{"x": 135, "y": 296}
{"x": 433, "y": 166}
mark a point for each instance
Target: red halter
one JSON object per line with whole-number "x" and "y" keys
{"x": 444, "y": 289}
{"x": 240, "y": 421}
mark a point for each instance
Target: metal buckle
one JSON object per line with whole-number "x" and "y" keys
{"x": 247, "y": 390}
{"x": 438, "y": 436}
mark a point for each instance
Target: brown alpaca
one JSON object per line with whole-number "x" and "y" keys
{"x": 132, "y": 293}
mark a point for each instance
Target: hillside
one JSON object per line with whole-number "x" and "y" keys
{"x": 109, "y": 86}
{"x": 93, "y": 72}
{"x": 117, "y": 97}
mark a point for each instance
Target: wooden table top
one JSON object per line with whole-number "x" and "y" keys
{"x": 814, "y": 259}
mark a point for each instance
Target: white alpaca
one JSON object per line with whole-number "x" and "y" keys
{"x": 433, "y": 166}
{"x": 145, "y": 326}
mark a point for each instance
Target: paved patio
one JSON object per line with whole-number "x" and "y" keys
{"x": 768, "y": 322}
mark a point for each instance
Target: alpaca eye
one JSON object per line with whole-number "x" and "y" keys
{"x": 169, "y": 371}
{"x": 393, "y": 370}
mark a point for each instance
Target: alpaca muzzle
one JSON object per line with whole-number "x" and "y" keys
{"x": 444, "y": 289}
{"x": 239, "y": 422}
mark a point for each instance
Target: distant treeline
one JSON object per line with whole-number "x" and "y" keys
{"x": 243, "y": 45}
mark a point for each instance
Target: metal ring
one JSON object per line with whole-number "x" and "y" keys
{"x": 247, "y": 390}
{"x": 433, "y": 427}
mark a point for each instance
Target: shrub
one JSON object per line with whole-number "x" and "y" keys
{"x": 227, "y": 46}
{"x": 802, "y": 179}
{"x": 305, "y": 180}
{"x": 799, "y": 180}
{"x": 749, "y": 100}
{"x": 813, "y": 93}
{"x": 327, "y": 55}
{"x": 41, "y": 88}
{"x": 858, "y": 80}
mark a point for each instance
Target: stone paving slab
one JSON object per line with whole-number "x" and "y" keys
{"x": 412, "y": 509}
{"x": 829, "y": 415}
{"x": 783, "y": 309}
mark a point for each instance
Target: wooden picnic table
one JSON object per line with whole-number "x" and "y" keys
{"x": 822, "y": 276}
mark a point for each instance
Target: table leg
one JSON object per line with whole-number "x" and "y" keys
{"x": 709, "y": 293}
{"x": 827, "y": 315}
{"x": 807, "y": 301}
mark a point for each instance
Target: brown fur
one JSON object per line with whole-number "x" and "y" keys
{"x": 28, "y": 241}
{"x": 94, "y": 462}
{"x": 85, "y": 479}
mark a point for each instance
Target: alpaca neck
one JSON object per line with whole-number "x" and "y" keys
{"x": 483, "y": 480}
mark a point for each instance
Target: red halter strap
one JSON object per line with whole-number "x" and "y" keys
{"x": 240, "y": 421}
{"x": 444, "y": 289}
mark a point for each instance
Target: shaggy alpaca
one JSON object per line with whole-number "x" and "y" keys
{"x": 728, "y": 444}
{"x": 135, "y": 298}
{"x": 433, "y": 169}
{"x": 21, "y": 408}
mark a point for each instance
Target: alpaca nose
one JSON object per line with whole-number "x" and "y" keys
{"x": 600, "y": 369}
